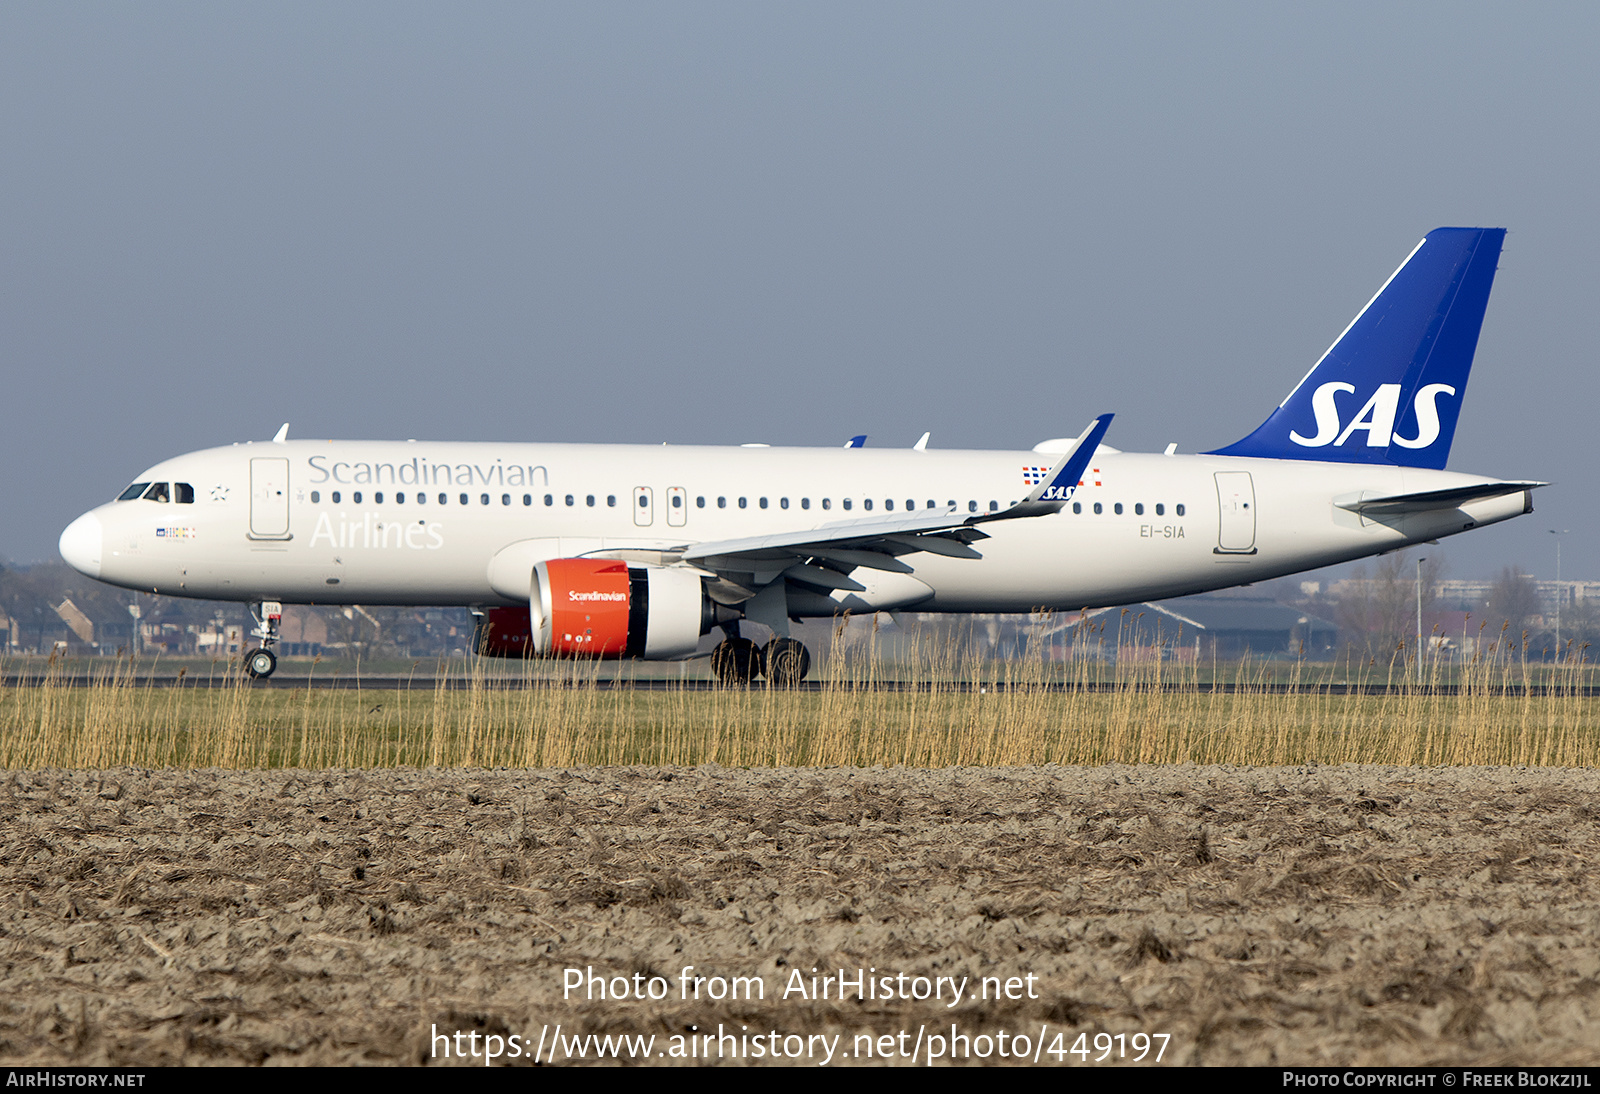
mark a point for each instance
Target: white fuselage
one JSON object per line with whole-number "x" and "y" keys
{"x": 368, "y": 522}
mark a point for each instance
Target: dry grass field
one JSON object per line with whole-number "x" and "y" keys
{"x": 947, "y": 710}
{"x": 250, "y": 875}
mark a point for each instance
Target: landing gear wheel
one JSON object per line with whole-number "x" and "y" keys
{"x": 787, "y": 662}
{"x": 260, "y": 663}
{"x": 735, "y": 662}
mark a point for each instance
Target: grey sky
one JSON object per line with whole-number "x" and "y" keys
{"x": 723, "y": 223}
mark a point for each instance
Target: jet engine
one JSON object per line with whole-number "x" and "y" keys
{"x": 605, "y": 608}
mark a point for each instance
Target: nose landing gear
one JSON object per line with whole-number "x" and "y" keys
{"x": 262, "y": 663}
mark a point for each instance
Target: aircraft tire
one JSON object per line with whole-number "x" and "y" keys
{"x": 735, "y": 662}
{"x": 788, "y": 662}
{"x": 261, "y": 663}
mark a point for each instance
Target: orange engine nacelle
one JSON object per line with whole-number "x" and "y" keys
{"x": 581, "y": 607}
{"x": 593, "y": 607}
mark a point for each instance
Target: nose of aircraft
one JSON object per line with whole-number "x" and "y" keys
{"x": 80, "y": 544}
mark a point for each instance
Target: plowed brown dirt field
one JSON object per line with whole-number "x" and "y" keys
{"x": 1256, "y": 915}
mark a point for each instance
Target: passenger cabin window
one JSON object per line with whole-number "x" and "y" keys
{"x": 183, "y": 493}
{"x": 316, "y": 496}
{"x": 157, "y": 492}
{"x": 355, "y": 496}
{"x": 1161, "y": 510}
{"x": 611, "y": 501}
{"x": 847, "y": 503}
{"x": 463, "y": 499}
{"x": 1178, "y": 509}
{"x": 134, "y": 491}
{"x": 722, "y": 503}
{"x": 377, "y": 499}
{"x": 336, "y": 497}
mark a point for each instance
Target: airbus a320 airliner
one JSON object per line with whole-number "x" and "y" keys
{"x": 638, "y": 551}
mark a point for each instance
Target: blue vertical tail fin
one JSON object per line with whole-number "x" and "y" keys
{"x": 1389, "y": 389}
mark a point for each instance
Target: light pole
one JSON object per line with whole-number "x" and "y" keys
{"x": 1420, "y": 561}
{"x": 1560, "y": 594}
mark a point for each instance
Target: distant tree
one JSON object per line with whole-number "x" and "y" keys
{"x": 1580, "y": 629}
{"x": 1513, "y": 602}
{"x": 1378, "y": 616}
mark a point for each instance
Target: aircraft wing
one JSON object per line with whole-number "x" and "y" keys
{"x": 824, "y": 555}
{"x": 1426, "y": 500}
{"x": 873, "y": 541}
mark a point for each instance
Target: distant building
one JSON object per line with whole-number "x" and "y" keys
{"x": 1228, "y": 624}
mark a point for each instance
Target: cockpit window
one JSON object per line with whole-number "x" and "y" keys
{"x": 134, "y": 491}
{"x": 157, "y": 492}
{"x": 183, "y": 493}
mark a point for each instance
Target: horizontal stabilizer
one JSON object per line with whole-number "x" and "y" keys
{"x": 1429, "y": 500}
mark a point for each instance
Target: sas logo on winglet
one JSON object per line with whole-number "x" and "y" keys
{"x": 1376, "y": 418}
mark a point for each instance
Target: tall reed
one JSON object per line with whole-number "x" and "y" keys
{"x": 936, "y": 702}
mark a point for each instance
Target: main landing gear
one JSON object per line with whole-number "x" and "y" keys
{"x": 262, "y": 663}
{"x": 736, "y": 661}
{"x": 787, "y": 662}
